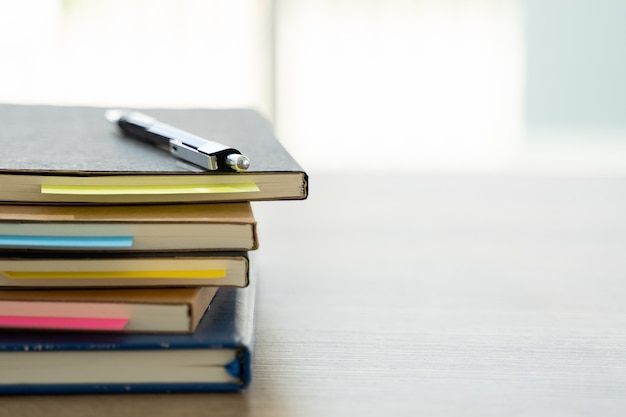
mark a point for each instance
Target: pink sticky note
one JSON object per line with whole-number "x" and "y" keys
{"x": 67, "y": 323}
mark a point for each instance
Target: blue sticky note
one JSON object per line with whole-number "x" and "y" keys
{"x": 82, "y": 242}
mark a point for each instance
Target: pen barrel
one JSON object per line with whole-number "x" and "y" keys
{"x": 143, "y": 131}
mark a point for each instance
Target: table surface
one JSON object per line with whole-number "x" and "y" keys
{"x": 425, "y": 295}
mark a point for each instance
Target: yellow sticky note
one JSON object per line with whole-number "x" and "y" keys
{"x": 247, "y": 187}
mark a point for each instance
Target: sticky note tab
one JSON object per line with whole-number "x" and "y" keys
{"x": 90, "y": 242}
{"x": 68, "y": 323}
{"x": 192, "y": 274}
{"x": 149, "y": 189}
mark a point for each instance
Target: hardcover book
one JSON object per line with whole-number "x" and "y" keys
{"x": 54, "y": 154}
{"x": 152, "y": 269}
{"x": 172, "y": 310}
{"x": 216, "y": 357}
{"x": 180, "y": 227}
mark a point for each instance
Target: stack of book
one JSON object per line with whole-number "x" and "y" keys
{"x": 123, "y": 268}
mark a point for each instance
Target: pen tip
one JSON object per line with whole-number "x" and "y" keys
{"x": 238, "y": 162}
{"x": 243, "y": 163}
{"x": 113, "y": 115}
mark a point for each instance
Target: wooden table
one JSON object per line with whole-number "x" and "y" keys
{"x": 420, "y": 295}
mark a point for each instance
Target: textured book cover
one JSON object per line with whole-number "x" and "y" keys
{"x": 181, "y": 227}
{"x": 53, "y": 154}
{"x": 216, "y": 357}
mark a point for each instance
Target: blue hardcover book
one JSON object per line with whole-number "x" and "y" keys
{"x": 216, "y": 357}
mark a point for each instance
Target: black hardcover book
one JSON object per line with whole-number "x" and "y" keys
{"x": 73, "y": 155}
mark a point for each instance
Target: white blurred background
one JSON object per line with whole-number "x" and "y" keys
{"x": 424, "y": 85}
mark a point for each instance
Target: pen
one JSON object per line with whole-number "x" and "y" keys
{"x": 184, "y": 145}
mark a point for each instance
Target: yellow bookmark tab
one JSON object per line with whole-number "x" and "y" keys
{"x": 248, "y": 187}
{"x": 193, "y": 274}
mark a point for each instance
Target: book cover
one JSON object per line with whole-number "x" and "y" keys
{"x": 216, "y": 357}
{"x": 174, "y": 310}
{"x": 53, "y": 154}
{"x": 101, "y": 269}
{"x": 180, "y": 227}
